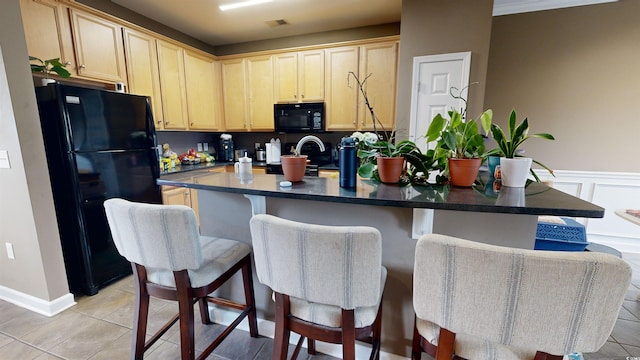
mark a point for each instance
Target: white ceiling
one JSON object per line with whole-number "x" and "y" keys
{"x": 203, "y": 20}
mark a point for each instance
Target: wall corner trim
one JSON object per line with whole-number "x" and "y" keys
{"x": 40, "y": 306}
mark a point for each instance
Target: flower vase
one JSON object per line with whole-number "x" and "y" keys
{"x": 390, "y": 169}
{"x": 514, "y": 171}
{"x": 293, "y": 167}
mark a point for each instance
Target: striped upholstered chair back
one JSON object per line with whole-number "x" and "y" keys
{"x": 172, "y": 261}
{"x": 505, "y": 303}
{"x": 324, "y": 276}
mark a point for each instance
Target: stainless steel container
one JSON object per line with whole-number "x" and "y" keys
{"x": 261, "y": 155}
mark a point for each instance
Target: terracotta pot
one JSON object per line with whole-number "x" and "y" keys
{"x": 515, "y": 171}
{"x": 390, "y": 169}
{"x": 293, "y": 167}
{"x": 463, "y": 172}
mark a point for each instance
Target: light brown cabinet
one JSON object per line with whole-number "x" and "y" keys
{"x": 380, "y": 61}
{"x": 345, "y": 106}
{"x": 341, "y": 96}
{"x": 248, "y": 93}
{"x": 299, "y": 76}
{"x": 172, "y": 83}
{"x": 143, "y": 74}
{"x": 181, "y": 196}
{"x": 202, "y": 91}
{"x": 99, "y": 48}
{"x": 47, "y": 31}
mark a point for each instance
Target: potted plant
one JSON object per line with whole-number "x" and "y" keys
{"x": 47, "y": 67}
{"x": 459, "y": 143}
{"x": 381, "y": 158}
{"x": 514, "y": 167}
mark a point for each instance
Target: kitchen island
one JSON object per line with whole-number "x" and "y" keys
{"x": 507, "y": 217}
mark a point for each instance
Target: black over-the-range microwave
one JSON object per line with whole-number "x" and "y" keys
{"x": 299, "y": 117}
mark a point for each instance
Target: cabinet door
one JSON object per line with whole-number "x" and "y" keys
{"x": 341, "y": 96}
{"x": 171, "y": 65}
{"x": 380, "y": 61}
{"x": 98, "y": 47}
{"x": 286, "y": 77}
{"x": 260, "y": 92}
{"x": 200, "y": 76}
{"x": 47, "y": 31}
{"x": 233, "y": 84}
{"x": 143, "y": 74}
{"x": 311, "y": 75}
{"x": 176, "y": 196}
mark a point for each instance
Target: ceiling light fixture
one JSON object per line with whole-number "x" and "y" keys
{"x": 242, "y": 4}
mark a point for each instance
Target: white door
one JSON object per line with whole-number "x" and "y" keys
{"x": 433, "y": 77}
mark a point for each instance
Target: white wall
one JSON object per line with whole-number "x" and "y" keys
{"x": 36, "y": 278}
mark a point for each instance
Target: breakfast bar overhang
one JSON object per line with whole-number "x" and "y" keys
{"x": 507, "y": 217}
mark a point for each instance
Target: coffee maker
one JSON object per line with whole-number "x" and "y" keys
{"x": 225, "y": 150}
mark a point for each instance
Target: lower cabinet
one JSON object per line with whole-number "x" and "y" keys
{"x": 181, "y": 196}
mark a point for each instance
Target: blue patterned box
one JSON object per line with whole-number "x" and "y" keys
{"x": 560, "y": 234}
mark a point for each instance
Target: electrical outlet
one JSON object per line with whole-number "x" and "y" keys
{"x": 10, "y": 253}
{"x": 199, "y": 147}
{"x": 205, "y": 146}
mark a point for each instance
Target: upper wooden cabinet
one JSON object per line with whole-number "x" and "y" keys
{"x": 47, "y": 31}
{"x": 260, "y": 92}
{"x": 345, "y": 106}
{"x": 380, "y": 61}
{"x": 99, "y": 47}
{"x": 248, "y": 93}
{"x": 299, "y": 76}
{"x": 172, "y": 84}
{"x": 341, "y": 94}
{"x": 234, "y": 93}
{"x": 202, "y": 86}
{"x": 143, "y": 73}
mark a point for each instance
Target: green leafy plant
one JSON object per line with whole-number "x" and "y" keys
{"x": 49, "y": 66}
{"x": 508, "y": 145}
{"x": 457, "y": 137}
{"x": 381, "y": 143}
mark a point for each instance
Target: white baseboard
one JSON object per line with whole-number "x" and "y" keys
{"x": 29, "y": 302}
{"x": 267, "y": 328}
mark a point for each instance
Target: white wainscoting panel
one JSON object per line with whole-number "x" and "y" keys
{"x": 611, "y": 191}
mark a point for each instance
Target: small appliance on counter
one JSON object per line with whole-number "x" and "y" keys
{"x": 239, "y": 153}
{"x": 261, "y": 153}
{"x": 226, "y": 152}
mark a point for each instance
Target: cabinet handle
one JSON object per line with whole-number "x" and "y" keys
{"x": 67, "y": 63}
{"x": 295, "y": 96}
{"x": 302, "y": 96}
{"x": 82, "y": 66}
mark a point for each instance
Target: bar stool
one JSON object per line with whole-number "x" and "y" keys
{"x": 479, "y": 301}
{"x": 327, "y": 282}
{"x": 171, "y": 261}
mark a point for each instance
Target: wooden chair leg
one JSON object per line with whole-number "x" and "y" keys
{"x": 185, "y": 308}
{"x": 311, "y": 346}
{"x": 282, "y": 332}
{"x": 204, "y": 310}
{"x": 249, "y": 296}
{"x": 377, "y": 334}
{"x": 446, "y": 341}
{"x": 348, "y": 335}
{"x": 544, "y": 356}
{"x": 140, "y": 313}
{"x": 416, "y": 349}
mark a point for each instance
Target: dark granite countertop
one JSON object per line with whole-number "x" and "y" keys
{"x": 535, "y": 199}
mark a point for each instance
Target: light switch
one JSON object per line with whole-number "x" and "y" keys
{"x": 4, "y": 160}
{"x": 205, "y": 147}
{"x": 199, "y": 146}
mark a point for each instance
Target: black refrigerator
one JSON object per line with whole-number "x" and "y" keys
{"x": 99, "y": 145}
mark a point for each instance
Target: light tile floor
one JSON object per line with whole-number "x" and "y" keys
{"x": 99, "y": 327}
